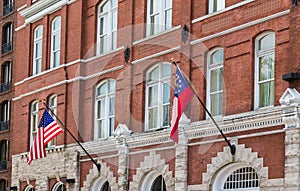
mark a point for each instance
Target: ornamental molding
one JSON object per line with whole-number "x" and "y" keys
{"x": 290, "y": 103}
{"x": 41, "y": 8}
{"x": 94, "y": 175}
{"x": 243, "y": 156}
{"x": 152, "y": 164}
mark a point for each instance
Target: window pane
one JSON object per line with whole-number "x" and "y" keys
{"x": 111, "y": 126}
{"x": 266, "y": 67}
{"x": 216, "y": 104}
{"x": 166, "y": 93}
{"x": 166, "y": 70}
{"x": 154, "y": 6}
{"x": 168, "y": 19}
{"x": 56, "y": 42}
{"x": 101, "y": 128}
{"x": 266, "y": 42}
{"x": 166, "y": 116}
{"x": 153, "y": 75}
{"x": 153, "y": 96}
{"x": 266, "y": 94}
{"x": 112, "y": 86}
{"x": 217, "y": 57}
{"x": 111, "y": 106}
{"x": 152, "y": 118}
{"x": 102, "y": 89}
{"x": 216, "y": 83}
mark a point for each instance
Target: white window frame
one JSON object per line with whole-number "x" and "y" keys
{"x": 52, "y": 102}
{"x": 258, "y": 54}
{"x": 107, "y": 117}
{"x": 34, "y": 115}
{"x": 6, "y": 72}
{"x": 37, "y": 67}
{"x": 99, "y": 183}
{"x": 57, "y": 186}
{"x": 215, "y": 5}
{"x": 208, "y": 88}
{"x": 161, "y": 25}
{"x": 29, "y": 188}
{"x": 109, "y": 37}
{"x": 224, "y": 173}
{"x": 5, "y": 115}
{"x": 8, "y": 33}
{"x": 160, "y": 105}
{"x": 55, "y": 33}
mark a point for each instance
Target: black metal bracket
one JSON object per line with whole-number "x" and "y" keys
{"x": 185, "y": 33}
{"x": 127, "y": 54}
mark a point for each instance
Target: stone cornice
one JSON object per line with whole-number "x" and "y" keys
{"x": 42, "y": 8}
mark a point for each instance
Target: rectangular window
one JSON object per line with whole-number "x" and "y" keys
{"x": 159, "y": 16}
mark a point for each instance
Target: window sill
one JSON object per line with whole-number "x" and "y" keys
{"x": 222, "y": 11}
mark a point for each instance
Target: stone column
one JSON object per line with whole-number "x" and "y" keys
{"x": 292, "y": 159}
{"x": 181, "y": 154}
{"x": 291, "y": 118}
{"x": 121, "y": 133}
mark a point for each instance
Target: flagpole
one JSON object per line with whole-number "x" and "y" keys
{"x": 98, "y": 165}
{"x": 232, "y": 146}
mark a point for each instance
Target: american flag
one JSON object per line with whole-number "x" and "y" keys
{"x": 183, "y": 93}
{"x": 48, "y": 129}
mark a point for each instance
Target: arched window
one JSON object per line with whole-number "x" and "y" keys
{"x": 159, "y": 16}
{"x": 55, "y": 42}
{"x": 7, "y": 7}
{"x": 264, "y": 70}
{"x": 105, "y": 109}
{"x": 3, "y": 154}
{"x": 159, "y": 184}
{"x": 100, "y": 184}
{"x": 34, "y": 115}
{"x": 158, "y": 97}
{"x": 3, "y": 185}
{"x": 37, "y": 52}
{"x": 216, "y": 5}
{"x": 52, "y": 103}
{"x": 29, "y": 188}
{"x": 59, "y": 186}
{"x": 236, "y": 177}
{"x": 215, "y": 81}
{"x": 5, "y": 77}
{"x": 153, "y": 181}
{"x": 4, "y": 115}
{"x": 107, "y": 26}
{"x": 7, "y": 38}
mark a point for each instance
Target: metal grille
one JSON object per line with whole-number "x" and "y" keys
{"x": 242, "y": 178}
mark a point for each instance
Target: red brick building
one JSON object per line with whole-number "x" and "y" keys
{"x": 105, "y": 68}
{"x": 7, "y": 66}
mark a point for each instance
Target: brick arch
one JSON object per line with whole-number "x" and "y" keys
{"x": 152, "y": 163}
{"x": 243, "y": 156}
{"x": 105, "y": 172}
